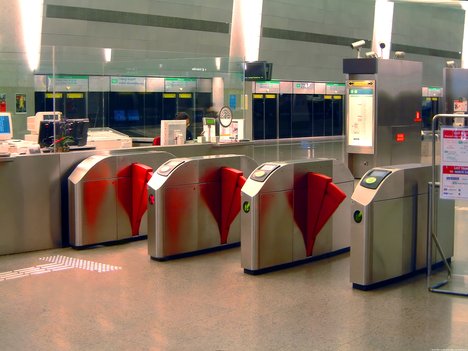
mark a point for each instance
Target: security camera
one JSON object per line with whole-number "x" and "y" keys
{"x": 371, "y": 54}
{"x": 450, "y": 64}
{"x": 358, "y": 44}
{"x": 399, "y": 54}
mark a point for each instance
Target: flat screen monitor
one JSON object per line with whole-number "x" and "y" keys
{"x": 173, "y": 132}
{"x": 258, "y": 70}
{"x": 6, "y": 127}
{"x": 34, "y": 121}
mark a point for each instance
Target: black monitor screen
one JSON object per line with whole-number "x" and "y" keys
{"x": 255, "y": 70}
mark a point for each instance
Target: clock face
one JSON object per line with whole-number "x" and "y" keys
{"x": 225, "y": 116}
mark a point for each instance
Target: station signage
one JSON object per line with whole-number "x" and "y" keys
{"x": 67, "y": 83}
{"x": 176, "y": 85}
{"x": 454, "y": 163}
{"x": 360, "y": 116}
{"x": 335, "y": 88}
{"x": 432, "y": 91}
{"x": 304, "y": 88}
{"x": 128, "y": 84}
{"x": 272, "y": 87}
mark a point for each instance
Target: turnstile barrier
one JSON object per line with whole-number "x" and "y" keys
{"x": 194, "y": 204}
{"x": 389, "y": 225}
{"x": 286, "y": 208}
{"x": 108, "y": 196}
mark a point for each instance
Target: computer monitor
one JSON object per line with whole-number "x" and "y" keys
{"x": 6, "y": 127}
{"x": 257, "y": 70}
{"x": 33, "y": 122}
{"x": 173, "y": 132}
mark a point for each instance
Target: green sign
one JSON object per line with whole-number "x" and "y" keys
{"x": 246, "y": 206}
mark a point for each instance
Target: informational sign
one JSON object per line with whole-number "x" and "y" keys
{"x": 460, "y": 106}
{"x": 304, "y": 88}
{"x": 128, "y": 84}
{"x": 360, "y": 116}
{"x": 267, "y": 87}
{"x": 180, "y": 84}
{"x": 67, "y": 83}
{"x": 432, "y": 91}
{"x": 233, "y": 101}
{"x": 454, "y": 163}
{"x": 335, "y": 88}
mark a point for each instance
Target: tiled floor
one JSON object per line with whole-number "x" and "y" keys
{"x": 207, "y": 303}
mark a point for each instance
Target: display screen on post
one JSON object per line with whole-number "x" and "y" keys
{"x": 360, "y": 116}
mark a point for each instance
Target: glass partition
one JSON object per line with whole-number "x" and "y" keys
{"x": 131, "y": 91}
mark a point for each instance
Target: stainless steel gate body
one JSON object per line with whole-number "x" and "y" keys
{"x": 272, "y": 228}
{"x": 389, "y": 224}
{"x": 189, "y": 203}
{"x": 102, "y": 194}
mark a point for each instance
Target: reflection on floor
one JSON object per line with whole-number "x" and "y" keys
{"x": 207, "y": 303}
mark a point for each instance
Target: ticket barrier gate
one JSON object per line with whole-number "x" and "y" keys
{"x": 194, "y": 204}
{"x": 285, "y": 212}
{"x": 389, "y": 225}
{"x": 107, "y": 196}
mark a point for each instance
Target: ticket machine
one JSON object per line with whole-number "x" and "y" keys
{"x": 286, "y": 210}
{"x": 389, "y": 224}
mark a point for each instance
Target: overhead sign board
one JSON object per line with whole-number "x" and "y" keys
{"x": 128, "y": 84}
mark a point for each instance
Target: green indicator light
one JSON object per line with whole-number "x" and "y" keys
{"x": 370, "y": 180}
{"x": 246, "y": 207}
{"x": 357, "y": 216}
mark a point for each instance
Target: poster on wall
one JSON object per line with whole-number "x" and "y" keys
{"x": 454, "y": 163}
{"x": 3, "y": 106}
{"x": 20, "y": 103}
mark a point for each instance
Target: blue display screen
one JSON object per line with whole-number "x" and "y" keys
{"x": 5, "y": 127}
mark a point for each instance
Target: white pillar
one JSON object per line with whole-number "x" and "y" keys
{"x": 383, "y": 21}
{"x": 31, "y": 25}
{"x": 245, "y": 29}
